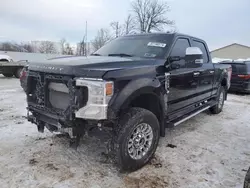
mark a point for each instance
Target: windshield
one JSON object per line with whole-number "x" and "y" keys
{"x": 147, "y": 46}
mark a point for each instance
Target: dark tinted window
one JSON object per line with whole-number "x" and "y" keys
{"x": 248, "y": 67}
{"x": 150, "y": 46}
{"x": 179, "y": 49}
{"x": 203, "y": 49}
{"x": 238, "y": 68}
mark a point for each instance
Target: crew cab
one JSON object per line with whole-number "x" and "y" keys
{"x": 135, "y": 86}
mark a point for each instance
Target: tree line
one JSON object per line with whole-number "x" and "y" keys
{"x": 47, "y": 47}
{"x": 146, "y": 16}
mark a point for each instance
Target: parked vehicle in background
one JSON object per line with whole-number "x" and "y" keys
{"x": 240, "y": 81}
{"x": 9, "y": 68}
{"x": 134, "y": 87}
{"x": 247, "y": 179}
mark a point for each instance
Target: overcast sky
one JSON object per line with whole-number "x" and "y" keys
{"x": 219, "y": 22}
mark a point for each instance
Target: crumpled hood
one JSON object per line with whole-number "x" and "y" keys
{"x": 92, "y": 66}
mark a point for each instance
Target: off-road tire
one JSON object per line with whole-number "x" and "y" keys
{"x": 247, "y": 179}
{"x": 18, "y": 72}
{"x": 218, "y": 108}
{"x": 127, "y": 123}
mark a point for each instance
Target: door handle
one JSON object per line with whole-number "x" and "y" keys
{"x": 211, "y": 72}
{"x": 196, "y": 73}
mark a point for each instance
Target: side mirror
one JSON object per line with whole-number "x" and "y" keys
{"x": 194, "y": 54}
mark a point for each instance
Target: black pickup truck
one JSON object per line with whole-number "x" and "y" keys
{"x": 135, "y": 86}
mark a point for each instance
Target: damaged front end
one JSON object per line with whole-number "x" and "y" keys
{"x": 66, "y": 104}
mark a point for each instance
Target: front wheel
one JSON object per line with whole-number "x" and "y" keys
{"x": 136, "y": 139}
{"x": 220, "y": 101}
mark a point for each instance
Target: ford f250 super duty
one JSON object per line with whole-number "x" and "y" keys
{"x": 135, "y": 86}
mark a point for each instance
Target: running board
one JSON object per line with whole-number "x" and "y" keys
{"x": 192, "y": 115}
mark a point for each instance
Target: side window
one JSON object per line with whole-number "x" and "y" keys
{"x": 203, "y": 49}
{"x": 248, "y": 68}
{"x": 179, "y": 49}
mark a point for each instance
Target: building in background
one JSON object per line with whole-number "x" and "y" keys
{"x": 232, "y": 51}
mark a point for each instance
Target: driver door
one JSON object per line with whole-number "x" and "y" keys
{"x": 183, "y": 78}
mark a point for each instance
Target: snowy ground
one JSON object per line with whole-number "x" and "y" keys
{"x": 211, "y": 151}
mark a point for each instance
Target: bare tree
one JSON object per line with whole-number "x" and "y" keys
{"x": 117, "y": 28}
{"x": 68, "y": 49}
{"x": 8, "y": 46}
{"x": 82, "y": 47}
{"x": 27, "y": 47}
{"x": 62, "y": 45}
{"x": 151, "y": 15}
{"x": 47, "y": 47}
{"x": 101, "y": 38}
{"x": 129, "y": 25}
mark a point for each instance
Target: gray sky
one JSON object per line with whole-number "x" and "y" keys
{"x": 219, "y": 22}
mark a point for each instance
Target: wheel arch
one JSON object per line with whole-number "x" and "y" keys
{"x": 144, "y": 93}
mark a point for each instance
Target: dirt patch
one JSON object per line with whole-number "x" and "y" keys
{"x": 171, "y": 146}
{"x": 156, "y": 162}
{"x": 145, "y": 182}
{"x": 51, "y": 167}
{"x": 33, "y": 162}
{"x": 40, "y": 138}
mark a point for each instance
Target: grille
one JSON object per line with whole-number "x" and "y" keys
{"x": 50, "y": 92}
{"x": 55, "y": 94}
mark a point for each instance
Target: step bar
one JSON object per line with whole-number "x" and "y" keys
{"x": 190, "y": 116}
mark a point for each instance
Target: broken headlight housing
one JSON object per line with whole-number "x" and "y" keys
{"x": 99, "y": 95}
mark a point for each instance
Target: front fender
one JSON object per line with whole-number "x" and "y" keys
{"x": 133, "y": 89}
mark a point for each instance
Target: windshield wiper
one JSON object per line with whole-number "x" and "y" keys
{"x": 121, "y": 55}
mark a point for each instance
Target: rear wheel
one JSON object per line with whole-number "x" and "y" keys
{"x": 8, "y": 75}
{"x": 18, "y": 73}
{"x": 220, "y": 101}
{"x": 136, "y": 139}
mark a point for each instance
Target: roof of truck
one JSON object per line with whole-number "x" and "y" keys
{"x": 167, "y": 33}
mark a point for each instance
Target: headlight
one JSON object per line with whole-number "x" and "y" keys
{"x": 99, "y": 95}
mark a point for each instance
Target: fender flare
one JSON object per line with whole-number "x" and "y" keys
{"x": 133, "y": 89}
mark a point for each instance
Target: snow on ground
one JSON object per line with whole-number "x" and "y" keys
{"x": 211, "y": 151}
